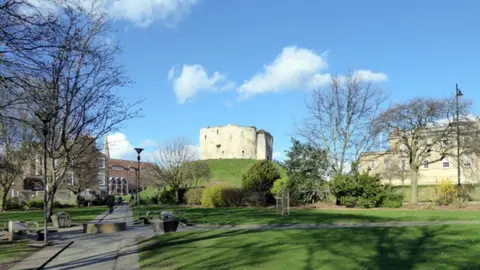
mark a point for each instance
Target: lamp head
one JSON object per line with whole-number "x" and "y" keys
{"x": 139, "y": 150}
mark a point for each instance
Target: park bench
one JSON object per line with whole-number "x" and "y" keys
{"x": 181, "y": 216}
{"x": 19, "y": 229}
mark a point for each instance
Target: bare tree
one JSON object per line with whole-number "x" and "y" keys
{"x": 340, "y": 118}
{"x": 74, "y": 84}
{"x": 171, "y": 165}
{"x": 15, "y": 151}
{"x": 424, "y": 131}
{"x": 393, "y": 169}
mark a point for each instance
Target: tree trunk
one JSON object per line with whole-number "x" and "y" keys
{"x": 177, "y": 195}
{"x": 51, "y": 197}
{"x": 414, "y": 184}
{"x": 4, "y": 200}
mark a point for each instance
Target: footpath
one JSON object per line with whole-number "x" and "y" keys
{"x": 93, "y": 251}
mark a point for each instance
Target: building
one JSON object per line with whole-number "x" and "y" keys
{"x": 235, "y": 142}
{"x": 107, "y": 176}
{"x": 393, "y": 164}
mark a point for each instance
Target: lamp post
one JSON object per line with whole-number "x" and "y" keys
{"x": 45, "y": 118}
{"x": 458, "y": 94}
{"x": 139, "y": 150}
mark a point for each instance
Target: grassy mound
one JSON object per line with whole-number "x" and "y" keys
{"x": 230, "y": 171}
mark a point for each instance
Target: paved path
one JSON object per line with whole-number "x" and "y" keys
{"x": 94, "y": 251}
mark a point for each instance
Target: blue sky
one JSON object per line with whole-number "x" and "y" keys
{"x": 201, "y": 63}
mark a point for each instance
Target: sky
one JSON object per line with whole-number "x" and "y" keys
{"x": 199, "y": 63}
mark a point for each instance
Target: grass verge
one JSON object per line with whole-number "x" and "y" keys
{"x": 310, "y": 216}
{"x": 78, "y": 214}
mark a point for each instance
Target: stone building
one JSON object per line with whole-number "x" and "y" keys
{"x": 235, "y": 142}
{"x": 393, "y": 164}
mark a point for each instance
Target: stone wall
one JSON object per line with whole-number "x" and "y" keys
{"x": 235, "y": 142}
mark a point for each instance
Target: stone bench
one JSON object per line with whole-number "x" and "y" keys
{"x": 110, "y": 227}
{"x": 18, "y": 229}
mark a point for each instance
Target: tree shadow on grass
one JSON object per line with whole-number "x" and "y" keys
{"x": 433, "y": 247}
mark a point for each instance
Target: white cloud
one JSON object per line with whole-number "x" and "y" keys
{"x": 145, "y": 12}
{"x": 368, "y": 75}
{"x": 278, "y": 155}
{"x": 119, "y": 146}
{"x": 192, "y": 79}
{"x": 295, "y": 69}
{"x": 148, "y": 143}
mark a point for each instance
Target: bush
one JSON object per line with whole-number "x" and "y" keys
{"x": 212, "y": 196}
{"x": 233, "y": 197}
{"x": 260, "y": 178}
{"x": 364, "y": 190}
{"x": 279, "y": 186}
{"x": 57, "y": 204}
{"x": 446, "y": 192}
{"x": 34, "y": 204}
{"x": 348, "y": 201}
{"x": 392, "y": 198}
{"x": 13, "y": 204}
{"x": 167, "y": 197}
{"x": 194, "y": 196}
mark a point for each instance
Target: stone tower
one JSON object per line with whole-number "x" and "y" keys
{"x": 106, "y": 150}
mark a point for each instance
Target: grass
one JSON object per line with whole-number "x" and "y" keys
{"x": 13, "y": 252}
{"x": 311, "y": 216}
{"x": 433, "y": 247}
{"x": 230, "y": 171}
{"x": 78, "y": 214}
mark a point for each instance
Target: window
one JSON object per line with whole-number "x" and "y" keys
{"x": 425, "y": 164}
{"x": 205, "y": 137}
{"x": 101, "y": 178}
{"x": 385, "y": 164}
{"x": 101, "y": 163}
{"x": 70, "y": 178}
{"x": 445, "y": 163}
{"x": 117, "y": 168}
{"x": 243, "y": 152}
{"x": 371, "y": 164}
{"x": 217, "y": 131}
{"x": 403, "y": 165}
{"x": 467, "y": 161}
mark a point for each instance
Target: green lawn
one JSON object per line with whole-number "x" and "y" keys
{"x": 78, "y": 214}
{"x": 13, "y": 252}
{"x": 311, "y": 216}
{"x": 433, "y": 247}
{"x": 231, "y": 170}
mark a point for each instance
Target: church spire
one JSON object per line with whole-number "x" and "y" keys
{"x": 106, "y": 150}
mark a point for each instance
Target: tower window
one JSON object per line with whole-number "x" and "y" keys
{"x": 217, "y": 131}
{"x": 243, "y": 152}
{"x": 205, "y": 137}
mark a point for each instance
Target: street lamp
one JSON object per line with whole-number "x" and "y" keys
{"x": 45, "y": 118}
{"x": 458, "y": 94}
{"x": 139, "y": 150}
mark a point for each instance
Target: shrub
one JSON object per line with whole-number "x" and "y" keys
{"x": 279, "y": 186}
{"x": 194, "y": 196}
{"x": 232, "y": 196}
{"x": 348, "y": 201}
{"x": 212, "y": 196}
{"x": 364, "y": 190}
{"x": 392, "y": 198}
{"x": 260, "y": 178}
{"x": 430, "y": 206}
{"x": 13, "y": 204}
{"x": 34, "y": 204}
{"x": 167, "y": 197}
{"x": 57, "y": 204}
{"x": 446, "y": 192}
